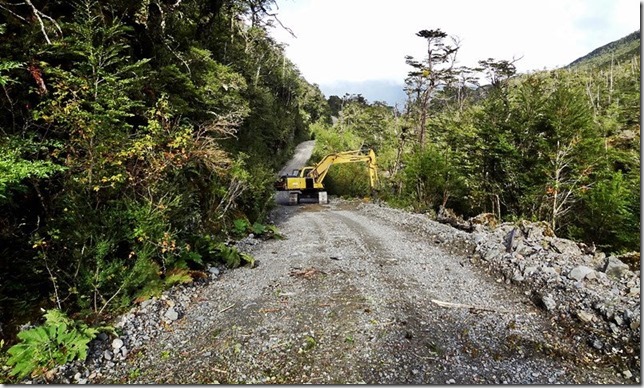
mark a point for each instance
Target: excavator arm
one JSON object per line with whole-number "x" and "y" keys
{"x": 320, "y": 170}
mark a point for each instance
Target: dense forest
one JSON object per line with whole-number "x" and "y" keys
{"x": 139, "y": 138}
{"x": 560, "y": 146}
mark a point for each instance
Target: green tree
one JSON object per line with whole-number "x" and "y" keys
{"x": 429, "y": 75}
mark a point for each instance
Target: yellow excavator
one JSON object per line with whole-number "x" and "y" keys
{"x": 307, "y": 182}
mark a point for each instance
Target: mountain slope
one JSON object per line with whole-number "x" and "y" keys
{"x": 619, "y": 50}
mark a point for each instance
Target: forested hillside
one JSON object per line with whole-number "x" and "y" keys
{"x": 620, "y": 50}
{"x": 136, "y": 138}
{"x": 560, "y": 146}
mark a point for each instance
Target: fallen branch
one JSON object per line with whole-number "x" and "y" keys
{"x": 227, "y": 308}
{"x": 269, "y": 310}
{"x": 306, "y": 273}
{"x": 466, "y": 306}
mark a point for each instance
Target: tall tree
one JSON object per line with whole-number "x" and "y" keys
{"x": 429, "y": 75}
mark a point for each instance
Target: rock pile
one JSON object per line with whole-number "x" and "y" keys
{"x": 142, "y": 323}
{"x": 576, "y": 284}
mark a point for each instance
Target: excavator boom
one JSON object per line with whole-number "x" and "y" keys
{"x": 320, "y": 170}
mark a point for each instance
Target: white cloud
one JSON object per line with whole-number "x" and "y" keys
{"x": 359, "y": 40}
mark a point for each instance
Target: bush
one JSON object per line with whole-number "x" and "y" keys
{"x": 57, "y": 342}
{"x": 430, "y": 179}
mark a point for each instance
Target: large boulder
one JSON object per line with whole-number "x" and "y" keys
{"x": 580, "y": 273}
{"x": 565, "y": 247}
{"x": 616, "y": 269}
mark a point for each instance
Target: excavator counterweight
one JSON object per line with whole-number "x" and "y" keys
{"x": 307, "y": 182}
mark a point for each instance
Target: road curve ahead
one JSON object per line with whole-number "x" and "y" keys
{"x": 302, "y": 154}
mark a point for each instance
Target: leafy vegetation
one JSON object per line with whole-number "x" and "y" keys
{"x": 560, "y": 146}
{"x": 133, "y": 135}
{"x": 621, "y": 50}
{"x": 58, "y": 341}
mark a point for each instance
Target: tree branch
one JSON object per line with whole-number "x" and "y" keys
{"x": 274, "y": 16}
{"x": 38, "y": 15}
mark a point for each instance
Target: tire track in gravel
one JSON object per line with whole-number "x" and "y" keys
{"x": 346, "y": 298}
{"x": 408, "y": 347}
{"x": 480, "y": 344}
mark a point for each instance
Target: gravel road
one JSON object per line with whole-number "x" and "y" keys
{"x": 356, "y": 293}
{"x": 302, "y": 154}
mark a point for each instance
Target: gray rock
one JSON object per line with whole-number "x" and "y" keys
{"x": 107, "y": 355}
{"x": 618, "y": 319}
{"x": 510, "y": 240}
{"x": 524, "y": 249}
{"x": 580, "y": 272}
{"x": 549, "y": 302}
{"x": 550, "y": 271}
{"x": 613, "y": 328}
{"x": 117, "y": 344}
{"x": 102, "y": 336}
{"x": 530, "y": 270}
{"x": 214, "y": 271}
{"x": 517, "y": 277}
{"x": 585, "y": 316}
{"x": 597, "y": 344}
{"x": 615, "y": 269}
{"x": 171, "y": 314}
{"x": 567, "y": 248}
{"x": 491, "y": 254}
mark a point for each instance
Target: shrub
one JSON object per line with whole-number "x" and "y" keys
{"x": 57, "y": 342}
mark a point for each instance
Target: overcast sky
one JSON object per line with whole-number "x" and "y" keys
{"x": 358, "y": 40}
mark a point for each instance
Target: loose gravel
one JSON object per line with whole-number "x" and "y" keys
{"x": 362, "y": 293}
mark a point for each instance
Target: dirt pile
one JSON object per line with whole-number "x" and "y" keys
{"x": 599, "y": 295}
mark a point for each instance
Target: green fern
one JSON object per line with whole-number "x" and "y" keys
{"x": 232, "y": 257}
{"x": 240, "y": 227}
{"x": 266, "y": 231}
{"x": 57, "y": 342}
{"x": 177, "y": 276}
{"x": 259, "y": 228}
